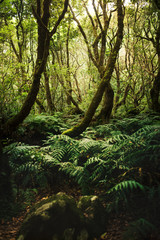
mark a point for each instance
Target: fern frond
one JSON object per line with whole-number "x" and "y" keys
{"x": 117, "y": 138}
{"x": 127, "y": 186}
{"x": 52, "y": 139}
{"x": 88, "y": 144}
{"x": 79, "y": 173}
{"x": 92, "y": 160}
{"x": 63, "y": 148}
{"x": 58, "y": 153}
{"x": 106, "y": 130}
{"x": 147, "y": 132}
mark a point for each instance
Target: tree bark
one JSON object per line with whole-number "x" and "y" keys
{"x": 42, "y": 54}
{"x": 68, "y": 77}
{"x": 40, "y": 105}
{"x": 155, "y": 105}
{"x": 106, "y": 110}
{"x": 51, "y": 106}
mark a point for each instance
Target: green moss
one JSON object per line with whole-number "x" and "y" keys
{"x": 67, "y": 131}
{"x": 85, "y": 201}
{"x": 73, "y": 132}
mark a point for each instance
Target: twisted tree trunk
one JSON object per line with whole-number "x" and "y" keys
{"x": 78, "y": 129}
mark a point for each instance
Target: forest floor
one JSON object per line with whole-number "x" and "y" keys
{"x": 114, "y": 228}
{"x": 8, "y": 230}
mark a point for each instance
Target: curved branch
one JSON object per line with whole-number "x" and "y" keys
{"x": 66, "y": 3}
{"x": 89, "y": 15}
{"x": 84, "y": 36}
{"x": 39, "y": 20}
{"x": 99, "y": 22}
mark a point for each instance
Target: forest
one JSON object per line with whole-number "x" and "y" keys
{"x": 79, "y": 119}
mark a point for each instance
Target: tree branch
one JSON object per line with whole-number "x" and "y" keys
{"x": 99, "y": 22}
{"x": 84, "y": 36}
{"x": 66, "y": 3}
{"x": 39, "y": 20}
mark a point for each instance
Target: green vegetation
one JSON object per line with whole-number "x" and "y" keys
{"x": 80, "y": 106}
{"x": 119, "y": 161}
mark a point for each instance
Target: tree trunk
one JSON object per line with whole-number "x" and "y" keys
{"x": 43, "y": 50}
{"x": 107, "y": 104}
{"x": 51, "y": 106}
{"x": 68, "y": 77}
{"x": 155, "y": 105}
{"x": 78, "y": 129}
{"x": 40, "y": 105}
{"x": 123, "y": 100}
{"x": 78, "y": 110}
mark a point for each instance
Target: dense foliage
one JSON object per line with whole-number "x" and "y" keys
{"x": 71, "y": 77}
{"x": 119, "y": 161}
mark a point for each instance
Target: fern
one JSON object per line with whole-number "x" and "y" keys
{"x": 26, "y": 164}
{"x": 117, "y": 138}
{"x": 128, "y": 125}
{"x": 19, "y": 152}
{"x": 97, "y": 169}
{"x": 37, "y": 127}
{"x": 121, "y": 193}
{"x": 89, "y": 145}
{"x": 126, "y": 144}
{"x": 63, "y": 148}
{"x": 106, "y": 130}
{"x": 126, "y": 186}
{"x": 45, "y": 123}
{"x": 79, "y": 173}
{"x": 148, "y": 132}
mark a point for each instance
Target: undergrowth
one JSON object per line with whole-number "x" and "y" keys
{"x": 36, "y": 128}
{"x": 121, "y": 160}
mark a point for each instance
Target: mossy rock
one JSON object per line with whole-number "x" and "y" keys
{"x": 94, "y": 211}
{"x": 61, "y": 218}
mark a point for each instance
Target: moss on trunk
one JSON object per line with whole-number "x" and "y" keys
{"x": 107, "y": 104}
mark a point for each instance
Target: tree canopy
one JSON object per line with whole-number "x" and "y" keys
{"x": 101, "y": 50}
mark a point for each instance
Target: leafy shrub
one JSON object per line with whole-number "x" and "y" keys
{"x": 39, "y": 127}
{"x": 26, "y": 164}
{"x": 102, "y": 161}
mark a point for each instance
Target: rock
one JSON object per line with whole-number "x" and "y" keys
{"x": 95, "y": 214}
{"x": 60, "y": 218}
